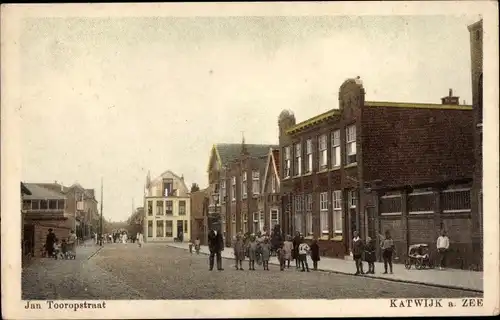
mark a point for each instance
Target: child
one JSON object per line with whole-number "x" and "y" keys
{"x": 370, "y": 254}
{"x": 57, "y": 249}
{"x": 252, "y": 252}
{"x": 265, "y": 251}
{"x": 190, "y": 244}
{"x": 315, "y": 254}
{"x": 287, "y": 250}
{"x": 303, "y": 250}
{"x": 280, "y": 253}
{"x": 197, "y": 245}
{"x": 239, "y": 252}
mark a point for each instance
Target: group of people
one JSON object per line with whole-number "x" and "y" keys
{"x": 60, "y": 248}
{"x": 367, "y": 250}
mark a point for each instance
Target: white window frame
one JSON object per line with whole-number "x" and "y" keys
{"x": 273, "y": 183}
{"x": 233, "y": 188}
{"x": 222, "y": 191}
{"x": 298, "y": 159}
{"x": 352, "y": 198}
{"x": 336, "y": 156}
{"x": 323, "y": 212}
{"x": 271, "y": 212}
{"x": 309, "y": 156}
{"x": 262, "y": 221}
{"x": 255, "y": 182}
{"x": 244, "y": 185}
{"x": 322, "y": 152}
{"x": 337, "y": 210}
{"x": 287, "y": 162}
{"x": 350, "y": 142}
{"x": 309, "y": 223}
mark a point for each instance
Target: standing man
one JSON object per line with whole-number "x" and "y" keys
{"x": 215, "y": 245}
{"x": 49, "y": 243}
{"x": 443, "y": 244}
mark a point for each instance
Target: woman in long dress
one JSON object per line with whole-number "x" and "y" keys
{"x": 140, "y": 239}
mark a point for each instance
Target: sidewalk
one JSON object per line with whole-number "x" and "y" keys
{"x": 450, "y": 278}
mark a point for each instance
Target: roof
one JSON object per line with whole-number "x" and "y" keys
{"x": 413, "y": 105}
{"x": 39, "y": 192}
{"x": 276, "y": 156}
{"x": 25, "y": 190}
{"x": 227, "y": 152}
{"x": 314, "y": 120}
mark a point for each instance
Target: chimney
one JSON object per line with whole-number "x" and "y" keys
{"x": 450, "y": 99}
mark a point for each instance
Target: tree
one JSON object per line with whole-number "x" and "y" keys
{"x": 195, "y": 187}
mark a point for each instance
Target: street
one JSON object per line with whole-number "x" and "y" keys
{"x": 156, "y": 271}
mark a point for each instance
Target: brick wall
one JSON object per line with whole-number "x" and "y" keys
{"x": 406, "y": 146}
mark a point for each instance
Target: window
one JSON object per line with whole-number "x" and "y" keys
{"x": 255, "y": 182}
{"x": 323, "y": 208}
{"x": 26, "y": 204}
{"x": 159, "y": 207}
{"x": 35, "y": 204}
{"x": 244, "y": 185}
{"x": 258, "y": 222}
{"x": 274, "y": 219}
{"x": 233, "y": 224}
{"x": 337, "y": 211}
{"x": 169, "y": 207}
{"x": 182, "y": 207}
{"x": 159, "y": 229}
{"x": 351, "y": 198}
{"x": 44, "y": 204}
{"x": 350, "y": 144}
{"x": 223, "y": 191}
{"x": 309, "y": 218}
{"x": 233, "y": 188}
{"x": 150, "y": 208}
{"x": 309, "y": 156}
{"x": 186, "y": 226}
{"x": 245, "y": 223}
{"x": 287, "y": 168}
{"x": 150, "y": 229}
{"x": 273, "y": 183}
{"x": 299, "y": 213}
{"x": 61, "y": 205}
{"x": 52, "y": 204}
{"x": 323, "y": 160}
{"x": 169, "y": 226}
{"x": 336, "y": 148}
{"x": 297, "y": 165}
{"x": 167, "y": 187}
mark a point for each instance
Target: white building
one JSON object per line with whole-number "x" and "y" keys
{"x": 167, "y": 208}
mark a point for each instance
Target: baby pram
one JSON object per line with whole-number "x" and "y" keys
{"x": 418, "y": 254}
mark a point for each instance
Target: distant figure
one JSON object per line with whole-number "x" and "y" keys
{"x": 358, "y": 248}
{"x": 72, "y": 239}
{"x": 197, "y": 245}
{"x": 140, "y": 239}
{"x": 49, "y": 243}
{"x": 387, "y": 246}
{"x": 303, "y": 251}
{"x": 442, "y": 244}
{"x": 215, "y": 245}
{"x": 287, "y": 250}
{"x": 295, "y": 252}
{"x": 370, "y": 255}
{"x": 252, "y": 253}
{"x": 239, "y": 252}
{"x": 265, "y": 250}
{"x": 315, "y": 254}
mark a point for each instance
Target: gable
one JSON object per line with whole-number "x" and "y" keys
{"x": 270, "y": 172}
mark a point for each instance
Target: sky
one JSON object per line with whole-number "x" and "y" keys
{"x": 116, "y": 97}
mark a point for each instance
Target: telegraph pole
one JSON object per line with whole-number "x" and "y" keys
{"x": 102, "y": 199}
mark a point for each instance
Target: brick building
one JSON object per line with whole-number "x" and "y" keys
{"x": 269, "y": 206}
{"x": 339, "y": 169}
{"x": 199, "y": 215}
{"x": 476, "y": 43}
{"x": 235, "y": 173}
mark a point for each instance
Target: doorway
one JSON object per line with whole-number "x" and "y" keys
{"x": 370, "y": 214}
{"x": 180, "y": 229}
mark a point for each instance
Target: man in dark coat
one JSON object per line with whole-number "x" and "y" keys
{"x": 215, "y": 245}
{"x": 276, "y": 238}
{"x": 49, "y": 243}
{"x": 295, "y": 252}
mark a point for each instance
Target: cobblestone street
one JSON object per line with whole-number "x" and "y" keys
{"x": 124, "y": 271}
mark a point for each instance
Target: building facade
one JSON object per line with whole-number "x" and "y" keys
{"x": 199, "y": 215}
{"x": 235, "y": 175}
{"x": 269, "y": 206}
{"x": 476, "y": 47}
{"x": 331, "y": 164}
{"x": 43, "y": 209}
{"x": 167, "y": 208}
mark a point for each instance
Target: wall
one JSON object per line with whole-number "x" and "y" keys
{"x": 408, "y": 146}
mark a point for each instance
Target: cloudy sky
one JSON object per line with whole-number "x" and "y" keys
{"x": 117, "y": 97}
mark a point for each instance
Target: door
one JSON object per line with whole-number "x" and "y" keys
{"x": 180, "y": 227}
